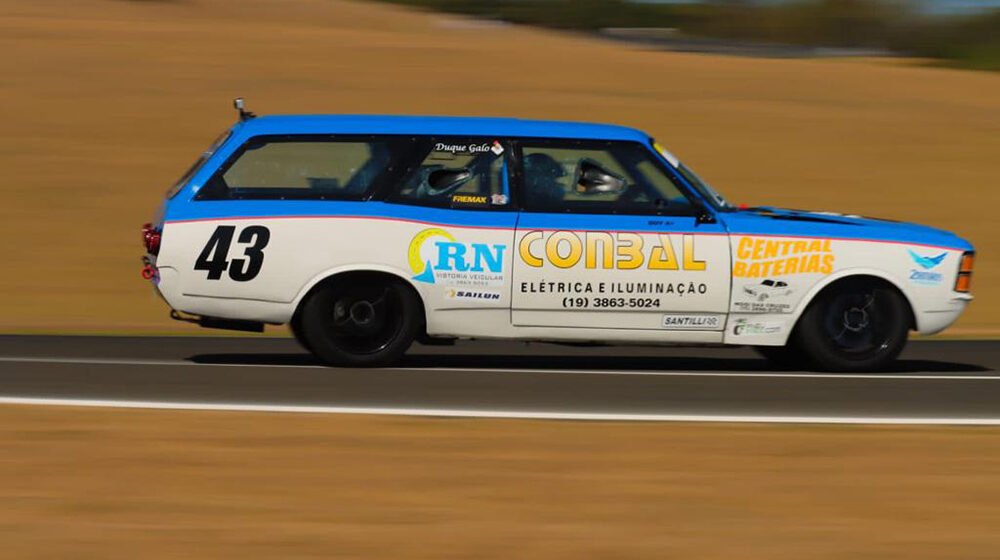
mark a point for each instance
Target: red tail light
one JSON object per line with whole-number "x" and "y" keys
{"x": 151, "y": 239}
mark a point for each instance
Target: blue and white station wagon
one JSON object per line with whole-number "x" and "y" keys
{"x": 365, "y": 233}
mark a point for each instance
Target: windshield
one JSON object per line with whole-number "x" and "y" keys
{"x": 704, "y": 188}
{"x": 176, "y": 188}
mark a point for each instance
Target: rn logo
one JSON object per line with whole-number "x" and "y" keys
{"x": 435, "y": 256}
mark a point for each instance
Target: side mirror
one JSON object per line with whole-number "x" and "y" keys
{"x": 703, "y": 215}
{"x": 594, "y": 179}
{"x": 444, "y": 180}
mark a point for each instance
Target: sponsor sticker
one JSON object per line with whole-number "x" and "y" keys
{"x": 692, "y": 322}
{"x": 481, "y": 295}
{"x": 761, "y": 258}
{"x": 470, "y": 199}
{"x": 598, "y": 249}
{"x": 925, "y": 274}
{"x": 744, "y": 327}
{"x": 767, "y": 296}
{"x": 473, "y": 148}
{"x": 436, "y": 257}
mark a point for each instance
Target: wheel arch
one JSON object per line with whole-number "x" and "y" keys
{"x": 853, "y": 275}
{"x": 338, "y": 274}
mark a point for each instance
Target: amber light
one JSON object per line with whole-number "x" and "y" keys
{"x": 967, "y": 262}
{"x": 963, "y": 284}
{"x": 964, "y": 281}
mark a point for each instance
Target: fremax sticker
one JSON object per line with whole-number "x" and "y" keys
{"x": 435, "y": 256}
{"x": 760, "y": 258}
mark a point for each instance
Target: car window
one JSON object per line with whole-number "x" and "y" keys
{"x": 457, "y": 173}
{"x": 609, "y": 177}
{"x": 177, "y": 186}
{"x": 290, "y": 168}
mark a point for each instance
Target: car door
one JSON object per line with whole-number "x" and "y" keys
{"x": 455, "y": 198}
{"x": 609, "y": 238}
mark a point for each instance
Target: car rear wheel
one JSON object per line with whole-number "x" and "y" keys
{"x": 856, "y": 326}
{"x": 297, "y": 331}
{"x": 364, "y": 320}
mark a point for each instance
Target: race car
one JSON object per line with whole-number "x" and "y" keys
{"x": 768, "y": 288}
{"x": 366, "y": 233}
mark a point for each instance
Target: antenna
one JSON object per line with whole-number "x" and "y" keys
{"x": 244, "y": 114}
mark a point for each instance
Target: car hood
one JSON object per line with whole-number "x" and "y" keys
{"x": 801, "y": 223}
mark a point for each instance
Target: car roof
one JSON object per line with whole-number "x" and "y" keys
{"x": 451, "y": 126}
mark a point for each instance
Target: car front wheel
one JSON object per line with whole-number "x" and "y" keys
{"x": 858, "y": 325}
{"x": 362, "y": 321}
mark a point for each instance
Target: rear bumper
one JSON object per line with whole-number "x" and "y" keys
{"x": 169, "y": 288}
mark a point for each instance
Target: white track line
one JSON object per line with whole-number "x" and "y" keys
{"x": 506, "y": 414}
{"x": 773, "y": 375}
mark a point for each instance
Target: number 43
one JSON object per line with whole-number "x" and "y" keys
{"x": 213, "y": 256}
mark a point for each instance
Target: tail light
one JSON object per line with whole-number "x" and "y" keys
{"x": 151, "y": 239}
{"x": 964, "y": 281}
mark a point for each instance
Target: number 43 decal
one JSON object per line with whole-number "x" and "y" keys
{"x": 213, "y": 256}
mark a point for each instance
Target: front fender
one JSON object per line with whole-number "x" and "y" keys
{"x": 826, "y": 281}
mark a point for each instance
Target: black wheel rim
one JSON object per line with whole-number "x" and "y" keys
{"x": 860, "y": 324}
{"x": 364, "y": 319}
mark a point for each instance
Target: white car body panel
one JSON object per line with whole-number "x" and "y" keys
{"x": 304, "y": 251}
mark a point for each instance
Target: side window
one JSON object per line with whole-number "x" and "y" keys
{"x": 598, "y": 177}
{"x": 302, "y": 168}
{"x": 457, "y": 173}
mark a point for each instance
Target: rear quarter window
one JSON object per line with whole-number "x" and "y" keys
{"x": 303, "y": 168}
{"x": 197, "y": 165}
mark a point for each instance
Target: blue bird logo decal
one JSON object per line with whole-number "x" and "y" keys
{"x": 927, "y": 262}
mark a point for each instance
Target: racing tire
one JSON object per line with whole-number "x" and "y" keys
{"x": 296, "y": 327}
{"x": 361, "y": 321}
{"x": 786, "y": 357}
{"x": 856, "y": 326}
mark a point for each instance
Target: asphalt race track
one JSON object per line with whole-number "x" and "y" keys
{"x": 935, "y": 382}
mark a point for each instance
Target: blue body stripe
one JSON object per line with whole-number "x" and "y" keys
{"x": 733, "y": 223}
{"x": 243, "y": 209}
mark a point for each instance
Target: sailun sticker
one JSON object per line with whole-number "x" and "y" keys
{"x": 436, "y": 257}
{"x": 925, "y": 276}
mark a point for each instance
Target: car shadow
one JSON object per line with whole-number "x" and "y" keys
{"x": 513, "y": 363}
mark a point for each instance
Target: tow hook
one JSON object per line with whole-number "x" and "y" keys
{"x": 149, "y": 271}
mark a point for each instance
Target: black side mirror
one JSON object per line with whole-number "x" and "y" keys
{"x": 444, "y": 180}
{"x": 594, "y": 179}
{"x": 703, "y": 215}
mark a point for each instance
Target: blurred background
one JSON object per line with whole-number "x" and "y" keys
{"x": 882, "y": 108}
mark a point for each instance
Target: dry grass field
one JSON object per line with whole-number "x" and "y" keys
{"x": 103, "y": 103}
{"x": 79, "y": 483}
